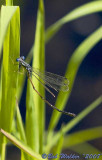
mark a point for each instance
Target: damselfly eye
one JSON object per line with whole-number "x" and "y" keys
{"x": 17, "y": 59}
{"x": 22, "y": 57}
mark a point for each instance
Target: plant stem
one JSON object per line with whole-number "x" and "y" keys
{"x": 9, "y": 2}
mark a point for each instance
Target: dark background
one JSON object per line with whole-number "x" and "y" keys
{"x": 88, "y": 83}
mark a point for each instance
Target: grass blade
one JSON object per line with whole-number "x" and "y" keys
{"x": 38, "y": 62}
{"x": 9, "y": 77}
{"x": 58, "y": 148}
{"x": 4, "y": 23}
{"x": 21, "y": 146}
{"x": 82, "y": 136}
{"x": 72, "y": 70}
{"x": 31, "y": 132}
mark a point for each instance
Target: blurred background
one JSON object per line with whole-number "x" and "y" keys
{"x": 88, "y": 83}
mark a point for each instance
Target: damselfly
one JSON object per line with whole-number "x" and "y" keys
{"x": 52, "y": 80}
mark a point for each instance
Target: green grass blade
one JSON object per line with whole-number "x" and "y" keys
{"x": 9, "y": 77}
{"x": 73, "y": 122}
{"x": 39, "y": 62}
{"x": 83, "y": 10}
{"x": 4, "y": 23}
{"x": 31, "y": 121}
{"x": 21, "y": 145}
{"x": 0, "y": 85}
{"x": 82, "y": 136}
{"x": 72, "y": 69}
{"x": 9, "y": 2}
{"x": 58, "y": 148}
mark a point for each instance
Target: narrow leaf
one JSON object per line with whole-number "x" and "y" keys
{"x": 39, "y": 62}
{"x": 21, "y": 145}
{"x": 74, "y": 63}
{"x": 9, "y": 76}
{"x": 10, "y": 30}
{"x": 5, "y": 18}
{"x": 58, "y": 148}
{"x": 82, "y": 136}
{"x": 31, "y": 129}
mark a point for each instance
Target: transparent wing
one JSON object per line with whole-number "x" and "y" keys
{"x": 52, "y": 80}
{"x": 44, "y": 86}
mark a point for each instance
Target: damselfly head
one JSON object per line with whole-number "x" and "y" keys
{"x": 20, "y": 58}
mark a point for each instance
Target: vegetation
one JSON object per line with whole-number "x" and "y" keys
{"x": 32, "y": 138}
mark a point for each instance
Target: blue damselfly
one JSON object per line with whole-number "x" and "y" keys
{"x": 52, "y": 80}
